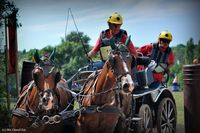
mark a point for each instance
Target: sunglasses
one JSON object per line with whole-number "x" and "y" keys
{"x": 165, "y": 40}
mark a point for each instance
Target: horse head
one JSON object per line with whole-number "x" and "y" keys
{"x": 42, "y": 99}
{"x": 46, "y": 75}
{"x": 120, "y": 65}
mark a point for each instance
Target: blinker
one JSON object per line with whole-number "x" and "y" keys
{"x": 47, "y": 69}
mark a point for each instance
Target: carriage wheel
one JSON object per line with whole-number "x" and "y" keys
{"x": 145, "y": 125}
{"x": 166, "y": 117}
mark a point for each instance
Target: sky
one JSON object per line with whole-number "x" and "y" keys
{"x": 44, "y": 21}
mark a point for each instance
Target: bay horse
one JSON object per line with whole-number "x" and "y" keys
{"x": 42, "y": 99}
{"x": 106, "y": 99}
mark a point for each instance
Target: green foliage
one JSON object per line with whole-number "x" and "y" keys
{"x": 4, "y": 115}
{"x": 197, "y": 51}
{"x": 184, "y": 54}
{"x": 179, "y": 53}
{"x": 69, "y": 55}
{"x": 6, "y": 9}
{"x": 189, "y": 51}
{"x": 76, "y": 37}
{"x": 2, "y": 72}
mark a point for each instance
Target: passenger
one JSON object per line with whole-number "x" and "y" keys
{"x": 161, "y": 53}
{"x": 103, "y": 44}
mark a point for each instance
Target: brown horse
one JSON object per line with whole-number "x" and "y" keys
{"x": 106, "y": 98}
{"x": 41, "y": 100}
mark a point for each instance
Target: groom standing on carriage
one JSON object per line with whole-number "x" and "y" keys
{"x": 109, "y": 38}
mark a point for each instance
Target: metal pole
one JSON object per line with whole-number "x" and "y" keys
{"x": 6, "y": 75}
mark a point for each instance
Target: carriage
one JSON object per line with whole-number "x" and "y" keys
{"x": 152, "y": 108}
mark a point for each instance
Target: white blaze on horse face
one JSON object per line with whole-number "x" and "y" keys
{"x": 125, "y": 67}
{"x": 50, "y": 102}
{"x": 130, "y": 81}
{"x": 49, "y": 97}
{"x": 128, "y": 76}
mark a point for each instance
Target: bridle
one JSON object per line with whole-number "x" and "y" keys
{"x": 118, "y": 77}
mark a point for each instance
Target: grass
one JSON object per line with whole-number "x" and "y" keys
{"x": 180, "y": 110}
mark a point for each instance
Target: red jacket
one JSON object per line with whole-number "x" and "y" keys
{"x": 146, "y": 50}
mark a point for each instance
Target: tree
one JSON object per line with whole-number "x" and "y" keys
{"x": 189, "y": 51}
{"x": 70, "y": 56}
{"x": 179, "y": 52}
{"x": 6, "y": 8}
{"x": 197, "y": 51}
{"x": 76, "y": 37}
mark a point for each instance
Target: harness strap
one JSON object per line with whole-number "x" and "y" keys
{"x": 20, "y": 112}
{"x": 24, "y": 93}
{"x": 65, "y": 87}
{"x": 102, "y": 109}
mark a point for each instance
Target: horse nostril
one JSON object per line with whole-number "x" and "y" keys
{"x": 125, "y": 87}
{"x": 44, "y": 99}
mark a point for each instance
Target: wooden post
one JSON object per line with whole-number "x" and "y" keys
{"x": 17, "y": 72}
{"x": 6, "y": 75}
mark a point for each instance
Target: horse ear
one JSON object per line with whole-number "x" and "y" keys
{"x": 128, "y": 41}
{"x": 36, "y": 56}
{"x": 112, "y": 43}
{"x": 52, "y": 56}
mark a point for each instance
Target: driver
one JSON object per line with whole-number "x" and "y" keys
{"x": 161, "y": 53}
{"x": 115, "y": 34}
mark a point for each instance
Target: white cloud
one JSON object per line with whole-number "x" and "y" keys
{"x": 44, "y": 27}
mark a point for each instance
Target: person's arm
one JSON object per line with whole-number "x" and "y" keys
{"x": 171, "y": 59}
{"x": 145, "y": 50}
{"x": 95, "y": 49}
{"x": 91, "y": 54}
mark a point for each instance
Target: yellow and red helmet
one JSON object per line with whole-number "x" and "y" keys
{"x": 115, "y": 18}
{"x": 165, "y": 35}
